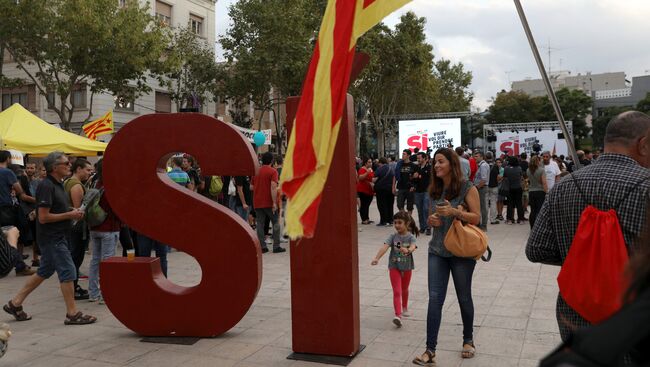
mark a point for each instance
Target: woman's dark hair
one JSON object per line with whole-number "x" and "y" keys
{"x": 408, "y": 220}
{"x": 98, "y": 170}
{"x": 534, "y": 164}
{"x": 638, "y": 270}
{"x": 383, "y": 160}
{"x": 513, "y": 161}
{"x": 437, "y": 186}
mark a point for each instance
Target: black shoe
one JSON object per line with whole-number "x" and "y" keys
{"x": 265, "y": 250}
{"x": 428, "y": 232}
{"x": 278, "y": 250}
{"x": 25, "y": 256}
{"x": 381, "y": 224}
{"x": 80, "y": 293}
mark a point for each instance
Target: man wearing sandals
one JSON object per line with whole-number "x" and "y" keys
{"x": 54, "y": 217}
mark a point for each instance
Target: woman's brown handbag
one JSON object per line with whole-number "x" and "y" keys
{"x": 467, "y": 240}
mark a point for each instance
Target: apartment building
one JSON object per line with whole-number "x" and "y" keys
{"x": 198, "y": 14}
{"x": 588, "y": 83}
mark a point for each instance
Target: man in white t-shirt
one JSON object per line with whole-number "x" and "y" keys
{"x": 551, "y": 170}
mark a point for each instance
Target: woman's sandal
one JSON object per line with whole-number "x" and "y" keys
{"x": 79, "y": 319}
{"x": 469, "y": 350}
{"x": 426, "y": 359}
{"x": 16, "y": 311}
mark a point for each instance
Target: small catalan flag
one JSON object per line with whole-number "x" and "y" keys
{"x": 101, "y": 126}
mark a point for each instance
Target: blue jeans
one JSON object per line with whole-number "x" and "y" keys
{"x": 103, "y": 246}
{"x": 146, "y": 244}
{"x": 422, "y": 203}
{"x": 461, "y": 270}
{"x": 243, "y": 213}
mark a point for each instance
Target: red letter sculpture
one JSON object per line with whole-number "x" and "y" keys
{"x": 325, "y": 268}
{"x": 225, "y": 246}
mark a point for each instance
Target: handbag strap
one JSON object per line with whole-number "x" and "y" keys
{"x": 489, "y": 255}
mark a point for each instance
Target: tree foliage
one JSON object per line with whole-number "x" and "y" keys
{"x": 517, "y": 106}
{"x": 190, "y": 71}
{"x": 72, "y": 43}
{"x": 607, "y": 114}
{"x": 403, "y": 77}
{"x": 267, "y": 48}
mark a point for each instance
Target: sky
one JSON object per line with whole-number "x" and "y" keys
{"x": 487, "y": 37}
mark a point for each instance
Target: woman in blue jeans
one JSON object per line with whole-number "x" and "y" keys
{"x": 451, "y": 197}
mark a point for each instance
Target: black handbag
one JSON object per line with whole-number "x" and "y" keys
{"x": 504, "y": 187}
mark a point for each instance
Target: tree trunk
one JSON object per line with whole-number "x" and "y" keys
{"x": 381, "y": 141}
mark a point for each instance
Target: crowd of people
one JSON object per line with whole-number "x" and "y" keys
{"x": 43, "y": 207}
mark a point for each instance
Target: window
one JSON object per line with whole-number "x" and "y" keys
{"x": 163, "y": 102}
{"x": 78, "y": 96}
{"x": 196, "y": 24}
{"x": 123, "y": 104}
{"x": 25, "y": 96}
{"x": 51, "y": 99}
{"x": 164, "y": 13}
{"x": 6, "y": 57}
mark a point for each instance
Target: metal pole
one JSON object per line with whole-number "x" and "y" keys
{"x": 549, "y": 89}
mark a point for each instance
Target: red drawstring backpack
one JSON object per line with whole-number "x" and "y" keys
{"x": 591, "y": 280}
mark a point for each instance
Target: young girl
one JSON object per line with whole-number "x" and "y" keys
{"x": 400, "y": 261}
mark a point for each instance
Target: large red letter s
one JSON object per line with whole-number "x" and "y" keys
{"x": 414, "y": 142}
{"x": 142, "y": 195}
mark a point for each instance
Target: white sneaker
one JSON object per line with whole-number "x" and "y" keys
{"x": 406, "y": 313}
{"x": 397, "y": 321}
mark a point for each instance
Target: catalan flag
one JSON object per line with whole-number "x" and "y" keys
{"x": 101, "y": 126}
{"x": 316, "y": 127}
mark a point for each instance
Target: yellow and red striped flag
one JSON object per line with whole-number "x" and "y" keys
{"x": 316, "y": 127}
{"x": 101, "y": 126}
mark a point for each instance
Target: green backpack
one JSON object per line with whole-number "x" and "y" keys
{"x": 94, "y": 214}
{"x": 216, "y": 185}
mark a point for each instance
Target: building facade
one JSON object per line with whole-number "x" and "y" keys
{"x": 625, "y": 97}
{"x": 588, "y": 83}
{"x": 198, "y": 14}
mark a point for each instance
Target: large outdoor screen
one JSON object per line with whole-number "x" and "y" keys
{"x": 429, "y": 134}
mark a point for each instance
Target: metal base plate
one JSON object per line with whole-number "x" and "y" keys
{"x": 179, "y": 340}
{"x": 325, "y": 359}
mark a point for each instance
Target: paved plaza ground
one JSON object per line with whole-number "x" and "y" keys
{"x": 514, "y": 323}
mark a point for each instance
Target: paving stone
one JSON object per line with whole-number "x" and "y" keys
{"x": 514, "y": 321}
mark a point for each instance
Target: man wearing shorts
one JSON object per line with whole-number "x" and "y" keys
{"x": 54, "y": 217}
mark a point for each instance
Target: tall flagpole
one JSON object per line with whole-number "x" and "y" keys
{"x": 547, "y": 83}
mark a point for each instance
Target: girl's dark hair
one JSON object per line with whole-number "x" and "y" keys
{"x": 513, "y": 161}
{"x": 638, "y": 270}
{"x": 410, "y": 223}
{"x": 437, "y": 186}
{"x": 534, "y": 164}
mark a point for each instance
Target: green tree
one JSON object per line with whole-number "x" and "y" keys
{"x": 63, "y": 44}
{"x": 190, "y": 70}
{"x": 403, "y": 77}
{"x": 644, "y": 104}
{"x": 575, "y": 105}
{"x": 514, "y": 106}
{"x": 264, "y": 54}
{"x": 517, "y": 106}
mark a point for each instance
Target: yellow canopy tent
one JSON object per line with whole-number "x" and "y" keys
{"x": 23, "y": 131}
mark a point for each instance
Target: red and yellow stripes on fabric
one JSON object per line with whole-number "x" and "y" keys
{"x": 316, "y": 128}
{"x": 101, "y": 126}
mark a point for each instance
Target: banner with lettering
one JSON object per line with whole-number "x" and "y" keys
{"x": 429, "y": 134}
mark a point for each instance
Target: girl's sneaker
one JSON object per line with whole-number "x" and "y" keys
{"x": 406, "y": 313}
{"x": 397, "y": 321}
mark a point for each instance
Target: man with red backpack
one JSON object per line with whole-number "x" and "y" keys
{"x": 590, "y": 223}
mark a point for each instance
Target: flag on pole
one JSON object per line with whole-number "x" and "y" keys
{"x": 101, "y": 126}
{"x": 316, "y": 127}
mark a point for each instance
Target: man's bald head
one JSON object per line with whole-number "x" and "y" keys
{"x": 627, "y": 128}
{"x": 629, "y": 134}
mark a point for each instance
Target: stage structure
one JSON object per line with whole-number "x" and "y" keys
{"x": 517, "y": 138}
